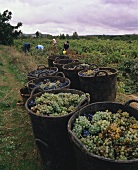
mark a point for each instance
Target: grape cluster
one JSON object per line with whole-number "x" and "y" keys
{"x": 45, "y": 72}
{"x": 82, "y": 66}
{"x": 57, "y": 104}
{"x": 77, "y": 66}
{"x": 48, "y": 84}
{"x": 92, "y": 72}
{"x": 107, "y": 134}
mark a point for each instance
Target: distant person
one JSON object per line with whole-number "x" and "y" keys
{"x": 54, "y": 42}
{"x": 39, "y": 47}
{"x": 26, "y": 47}
{"x": 66, "y": 45}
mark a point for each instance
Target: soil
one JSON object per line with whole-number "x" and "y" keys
{"x": 126, "y": 97}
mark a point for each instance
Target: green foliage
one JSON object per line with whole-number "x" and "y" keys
{"x": 119, "y": 54}
{"x": 129, "y": 70}
{"x": 7, "y": 31}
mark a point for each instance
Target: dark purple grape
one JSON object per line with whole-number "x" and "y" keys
{"x": 60, "y": 85}
{"x": 85, "y": 133}
{"x": 31, "y": 103}
{"x": 46, "y": 88}
{"x": 89, "y": 116}
{"x": 65, "y": 83}
{"x": 53, "y": 87}
{"x": 39, "y": 83}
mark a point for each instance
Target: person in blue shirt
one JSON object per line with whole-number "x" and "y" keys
{"x": 26, "y": 47}
{"x": 39, "y": 47}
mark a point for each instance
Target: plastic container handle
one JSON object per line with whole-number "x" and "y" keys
{"x": 130, "y": 101}
{"x": 34, "y": 89}
{"x": 41, "y": 66}
{"x": 57, "y": 59}
{"x": 79, "y": 66}
{"x": 103, "y": 71}
{"x": 93, "y": 66}
{"x": 83, "y": 103}
{"x": 29, "y": 86}
{"x": 43, "y": 72}
{"x": 61, "y": 74}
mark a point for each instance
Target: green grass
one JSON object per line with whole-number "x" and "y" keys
{"x": 18, "y": 150}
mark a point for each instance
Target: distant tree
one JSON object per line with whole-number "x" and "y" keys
{"x": 67, "y": 36}
{"x": 75, "y": 35}
{"x": 7, "y": 31}
{"x": 37, "y": 34}
{"x": 62, "y": 36}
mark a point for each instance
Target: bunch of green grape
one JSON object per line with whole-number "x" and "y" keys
{"x": 92, "y": 72}
{"x": 107, "y": 134}
{"x": 59, "y": 104}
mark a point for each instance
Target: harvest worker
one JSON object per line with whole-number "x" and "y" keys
{"x": 54, "y": 42}
{"x": 66, "y": 45}
{"x": 26, "y": 47}
{"x": 39, "y": 47}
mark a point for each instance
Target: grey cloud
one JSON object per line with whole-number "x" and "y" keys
{"x": 108, "y": 15}
{"x": 69, "y": 16}
{"x": 120, "y": 1}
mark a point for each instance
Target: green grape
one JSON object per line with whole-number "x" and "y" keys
{"x": 112, "y": 135}
{"x": 57, "y": 104}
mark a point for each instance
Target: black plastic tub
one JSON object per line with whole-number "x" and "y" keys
{"x": 60, "y": 62}
{"x": 90, "y": 161}
{"x": 53, "y": 57}
{"x": 51, "y": 135}
{"x": 100, "y": 87}
{"x": 43, "y": 70}
{"x": 64, "y": 82}
{"x": 71, "y": 72}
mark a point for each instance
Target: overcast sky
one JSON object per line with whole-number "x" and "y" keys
{"x": 86, "y": 17}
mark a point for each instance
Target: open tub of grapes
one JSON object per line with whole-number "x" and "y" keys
{"x": 49, "y": 112}
{"x": 42, "y": 70}
{"x": 59, "y": 63}
{"x": 57, "y": 81}
{"x": 105, "y": 136}
{"x": 52, "y": 58}
{"x": 100, "y": 83}
{"x": 71, "y": 72}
